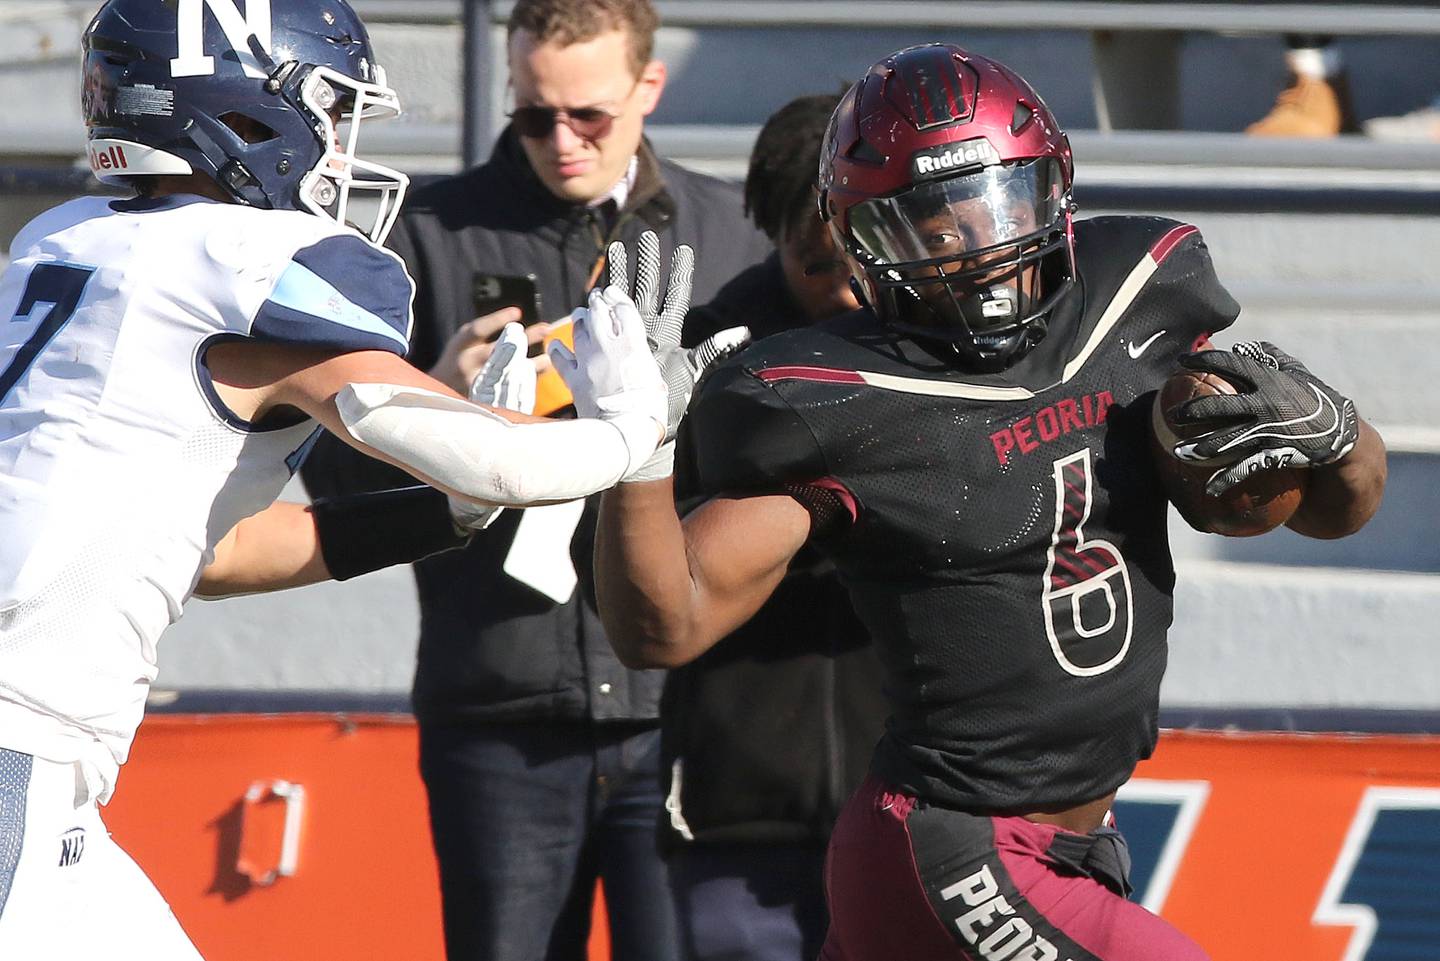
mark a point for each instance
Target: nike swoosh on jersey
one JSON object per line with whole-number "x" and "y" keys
{"x": 1135, "y": 350}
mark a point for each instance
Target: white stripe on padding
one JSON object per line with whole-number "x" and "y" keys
{"x": 1124, "y": 297}
{"x": 941, "y": 388}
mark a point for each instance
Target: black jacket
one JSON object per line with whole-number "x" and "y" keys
{"x": 767, "y": 734}
{"x": 491, "y": 648}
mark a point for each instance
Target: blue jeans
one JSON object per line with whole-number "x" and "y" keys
{"x": 750, "y": 902}
{"x": 526, "y": 816}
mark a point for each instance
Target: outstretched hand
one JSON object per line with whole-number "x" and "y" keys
{"x": 611, "y": 374}
{"x": 1280, "y": 416}
{"x": 606, "y": 373}
{"x": 664, "y": 320}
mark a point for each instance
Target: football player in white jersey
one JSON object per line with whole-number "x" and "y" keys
{"x": 163, "y": 361}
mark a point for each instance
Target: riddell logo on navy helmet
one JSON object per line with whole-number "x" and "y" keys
{"x": 110, "y": 158}
{"x": 940, "y": 161}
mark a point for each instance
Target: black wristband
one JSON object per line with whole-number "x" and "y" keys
{"x": 360, "y": 533}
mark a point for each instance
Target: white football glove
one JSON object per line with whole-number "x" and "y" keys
{"x": 664, "y": 323}
{"x": 611, "y": 373}
{"x": 507, "y": 381}
{"x": 508, "y": 376}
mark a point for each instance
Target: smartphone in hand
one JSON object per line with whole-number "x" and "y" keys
{"x": 492, "y": 292}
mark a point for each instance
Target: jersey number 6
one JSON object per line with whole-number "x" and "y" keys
{"x": 1088, "y": 610}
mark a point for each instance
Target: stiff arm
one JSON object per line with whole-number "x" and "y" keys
{"x": 477, "y": 453}
{"x": 512, "y": 458}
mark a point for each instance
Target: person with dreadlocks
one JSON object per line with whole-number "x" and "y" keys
{"x": 755, "y": 791}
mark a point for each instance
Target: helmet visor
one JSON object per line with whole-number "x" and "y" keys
{"x": 960, "y": 217}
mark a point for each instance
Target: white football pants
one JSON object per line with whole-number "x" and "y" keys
{"x": 67, "y": 891}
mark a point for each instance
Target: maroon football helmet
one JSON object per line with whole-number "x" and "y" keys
{"x": 945, "y": 176}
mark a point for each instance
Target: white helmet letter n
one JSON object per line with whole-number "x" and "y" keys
{"x": 190, "y": 25}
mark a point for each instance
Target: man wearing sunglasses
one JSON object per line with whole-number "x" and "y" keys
{"x": 539, "y": 751}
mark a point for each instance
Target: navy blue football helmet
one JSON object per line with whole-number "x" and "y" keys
{"x": 266, "y": 100}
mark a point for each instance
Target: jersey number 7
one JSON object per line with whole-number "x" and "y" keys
{"x": 59, "y": 285}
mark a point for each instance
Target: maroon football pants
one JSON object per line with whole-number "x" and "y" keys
{"x": 908, "y": 880}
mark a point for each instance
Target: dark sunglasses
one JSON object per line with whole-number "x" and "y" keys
{"x": 588, "y": 123}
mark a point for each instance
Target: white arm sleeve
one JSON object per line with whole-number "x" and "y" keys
{"x": 468, "y": 451}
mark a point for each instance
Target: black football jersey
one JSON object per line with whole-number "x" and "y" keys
{"x": 1008, "y": 549}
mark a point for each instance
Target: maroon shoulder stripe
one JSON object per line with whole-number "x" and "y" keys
{"x": 1170, "y": 241}
{"x": 824, "y": 375}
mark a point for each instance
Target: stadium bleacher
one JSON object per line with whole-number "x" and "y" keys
{"x": 1329, "y": 245}
{"x": 1323, "y": 241}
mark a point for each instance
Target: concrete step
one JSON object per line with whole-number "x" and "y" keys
{"x": 1263, "y": 635}
{"x": 358, "y": 636}
{"x": 1400, "y": 537}
{"x": 1245, "y": 634}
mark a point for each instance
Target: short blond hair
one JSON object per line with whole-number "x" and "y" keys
{"x": 576, "y": 21}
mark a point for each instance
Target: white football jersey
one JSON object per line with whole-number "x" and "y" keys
{"x": 120, "y": 469}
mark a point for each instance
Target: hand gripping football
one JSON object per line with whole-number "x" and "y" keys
{"x": 1260, "y": 503}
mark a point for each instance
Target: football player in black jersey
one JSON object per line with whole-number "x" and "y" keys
{"x": 971, "y": 450}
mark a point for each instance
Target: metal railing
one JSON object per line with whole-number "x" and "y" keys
{"x": 1087, "y": 15}
{"x": 1351, "y": 172}
{"x": 1130, "y": 41}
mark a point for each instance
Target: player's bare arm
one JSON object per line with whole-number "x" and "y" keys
{"x": 336, "y": 538}
{"x": 668, "y": 590}
{"x": 257, "y": 378}
{"x": 273, "y": 550}
{"x": 1342, "y": 497}
{"x": 280, "y": 547}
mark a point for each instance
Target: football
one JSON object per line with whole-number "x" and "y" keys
{"x": 1262, "y": 502}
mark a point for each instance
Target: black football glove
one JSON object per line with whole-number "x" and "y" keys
{"x": 1281, "y": 416}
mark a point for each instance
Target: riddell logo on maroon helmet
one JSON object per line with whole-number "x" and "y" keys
{"x": 111, "y": 158}
{"x": 948, "y": 158}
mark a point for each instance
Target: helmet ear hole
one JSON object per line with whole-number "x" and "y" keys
{"x": 1022, "y": 116}
{"x": 248, "y": 129}
{"x": 865, "y": 152}
{"x": 862, "y": 294}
